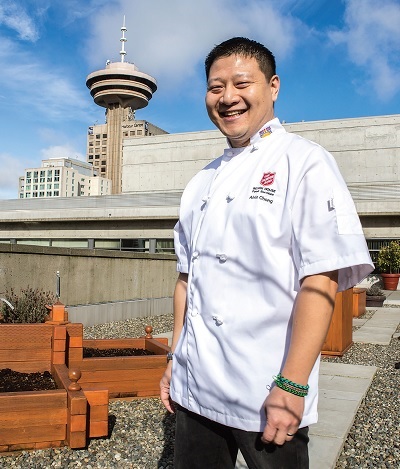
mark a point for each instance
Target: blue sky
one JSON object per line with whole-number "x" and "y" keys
{"x": 336, "y": 59}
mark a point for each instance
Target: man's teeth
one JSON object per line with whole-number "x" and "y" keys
{"x": 232, "y": 113}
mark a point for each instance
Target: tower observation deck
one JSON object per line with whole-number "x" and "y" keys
{"x": 119, "y": 88}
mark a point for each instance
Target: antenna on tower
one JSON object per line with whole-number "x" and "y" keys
{"x": 123, "y": 39}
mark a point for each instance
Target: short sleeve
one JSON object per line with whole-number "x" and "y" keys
{"x": 327, "y": 233}
{"x": 181, "y": 249}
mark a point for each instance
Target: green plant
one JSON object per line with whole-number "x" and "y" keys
{"x": 374, "y": 290}
{"x": 388, "y": 260}
{"x": 29, "y": 306}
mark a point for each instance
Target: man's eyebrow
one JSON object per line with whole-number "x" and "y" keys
{"x": 237, "y": 75}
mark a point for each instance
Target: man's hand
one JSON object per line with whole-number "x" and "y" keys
{"x": 164, "y": 389}
{"x": 284, "y": 412}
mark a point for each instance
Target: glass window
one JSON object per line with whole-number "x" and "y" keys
{"x": 42, "y": 174}
{"x": 70, "y": 243}
{"x": 49, "y": 194}
{"x": 56, "y": 193}
{"x": 104, "y": 162}
{"x": 97, "y": 157}
{"x": 35, "y": 174}
{"x": 97, "y": 135}
{"x": 41, "y": 194}
{"x": 28, "y": 188}
{"x": 28, "y": 174}
{"x": 104, "y": 135}
{"x": 27, "y": 195}
{"x": 35, "y": 187}
{"x": 28, "y": 180}
{"x": 90, "y": 157}
{"x": 140, "y": 132}
{"x": 56, "y": 186}
{"x": 56, "y": 178}
{"x": 41, "y": 187}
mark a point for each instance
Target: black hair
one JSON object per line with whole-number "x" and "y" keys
{"x": 246, "y": 48}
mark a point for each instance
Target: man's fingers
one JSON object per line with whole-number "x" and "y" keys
{"x": 269, "y": 433}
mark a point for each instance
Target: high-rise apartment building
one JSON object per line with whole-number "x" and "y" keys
{"x": 62, "y": 177}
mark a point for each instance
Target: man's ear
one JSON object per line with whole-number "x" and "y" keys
{"x": 274, "y": 84}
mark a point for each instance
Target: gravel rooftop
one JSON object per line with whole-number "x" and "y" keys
{"x": 141, "y": 432}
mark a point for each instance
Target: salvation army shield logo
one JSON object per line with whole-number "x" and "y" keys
{"x": 267, "y": 179}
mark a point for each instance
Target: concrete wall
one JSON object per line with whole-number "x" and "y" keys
{"x": 168, "y": 162}
{"x": 88, "y": 276}
{"x": 367, "y": 151}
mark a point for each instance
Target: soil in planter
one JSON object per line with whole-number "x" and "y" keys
{"x": 115, "y": 352}
{"x": 14, "y": 381}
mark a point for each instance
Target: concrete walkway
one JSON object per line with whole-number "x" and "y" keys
{"x": 342, "y": 387}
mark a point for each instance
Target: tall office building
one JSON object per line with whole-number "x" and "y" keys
{"x": 97, "y": 139}
{"x": 120, "y": 88}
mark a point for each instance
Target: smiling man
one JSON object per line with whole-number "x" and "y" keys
{"x": 267, "y": 235}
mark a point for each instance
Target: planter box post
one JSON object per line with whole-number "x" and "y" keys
{"x": 340, "y": 334}
{"x": 359, "y": 301}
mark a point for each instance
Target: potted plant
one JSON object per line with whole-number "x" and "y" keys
{"x": 388, "y": 262}
{"x": 375, "y": 296}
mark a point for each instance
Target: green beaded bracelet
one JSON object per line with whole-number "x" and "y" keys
{"x": 290, "y": 386}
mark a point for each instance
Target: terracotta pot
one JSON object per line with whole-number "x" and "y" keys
{"x": 375, "y": 301}
{"x": 390, "y": 281}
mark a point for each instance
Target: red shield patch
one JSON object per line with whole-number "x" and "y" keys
{"x": 267, "y": 179}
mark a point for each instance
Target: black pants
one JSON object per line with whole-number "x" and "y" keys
{"x": 203, "y": 444}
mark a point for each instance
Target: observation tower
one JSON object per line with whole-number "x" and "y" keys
{"x": 120, "y": 88}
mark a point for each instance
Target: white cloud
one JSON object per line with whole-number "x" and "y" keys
{"x": 14, "y": 16}
{"x": 47, "y": 89}
{"x": 11, "y": 169}
{"x": 169, "y": 40}
{"x": 62, "y": 151}
{"x": 371, "y": 36}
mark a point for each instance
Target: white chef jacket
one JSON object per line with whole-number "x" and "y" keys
{"x": 252, "y": 224}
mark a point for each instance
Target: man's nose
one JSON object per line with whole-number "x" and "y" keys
{"x": 230, "y": 95}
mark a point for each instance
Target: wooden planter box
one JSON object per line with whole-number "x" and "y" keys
{"x": 340, "y": 334}
{"x": 43, "y": 419}
{"x": 135, "y": 376}
{"x": 359, "y": 302}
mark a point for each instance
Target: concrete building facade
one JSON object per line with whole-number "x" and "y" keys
{"x": 156, "y": 169}
{"x": 62, "y": 177}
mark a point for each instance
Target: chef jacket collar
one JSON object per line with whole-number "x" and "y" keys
{"x": 266, "y": 130}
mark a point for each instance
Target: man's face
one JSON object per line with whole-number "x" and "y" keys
{"x": 239, "y": 99}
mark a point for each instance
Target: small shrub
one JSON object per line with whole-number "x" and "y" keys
{"x": 388, "y": 260}
{"x": 29, "y": 306}
{"x": 374, "y": 290}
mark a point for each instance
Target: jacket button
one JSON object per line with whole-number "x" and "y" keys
{"x": 195, "y": 255}
{"x": 222, "y": 257}
{"x": 218, "y": 321}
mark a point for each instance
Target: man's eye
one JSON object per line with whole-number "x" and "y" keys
{"x": 242, "y": 84}
{"x": 215, "y": 89}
